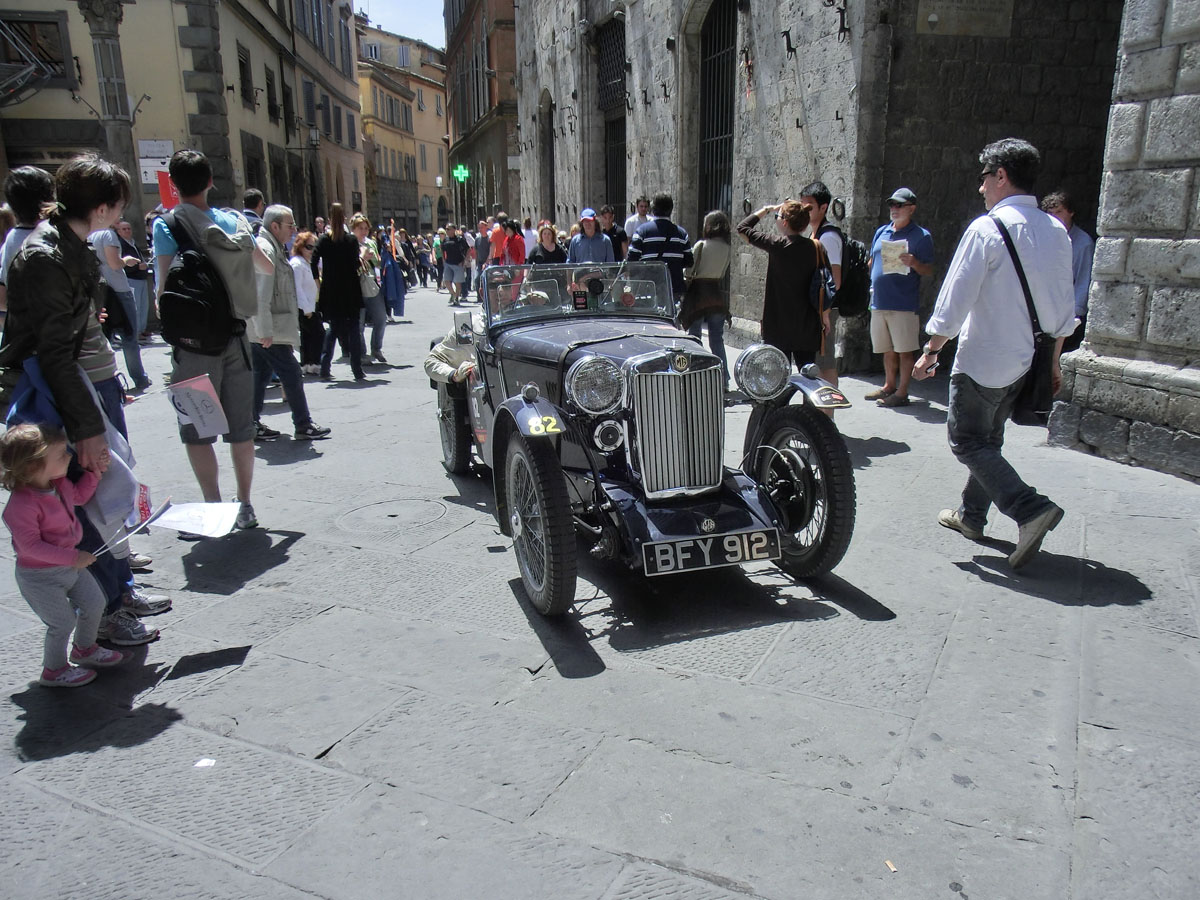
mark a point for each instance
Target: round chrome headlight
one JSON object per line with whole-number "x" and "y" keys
{"x": 594, "y": 385}
{"x": 762, "y": 371}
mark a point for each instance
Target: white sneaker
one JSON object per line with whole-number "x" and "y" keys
{"x": 125, "y": 630}
{"x": 1031, "y": 534}
{"x": 142, "y": 604}
{"x": 246, "y": 517}
{"x": 139, "y": 561}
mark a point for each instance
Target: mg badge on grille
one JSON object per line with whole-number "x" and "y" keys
{"x": 680, "y": 362}
{"x": 708, "y": 526}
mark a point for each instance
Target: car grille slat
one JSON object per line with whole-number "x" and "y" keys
{"x": 680, "y": 430}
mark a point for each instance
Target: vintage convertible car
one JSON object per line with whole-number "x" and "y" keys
{"x": 600, "y": 419}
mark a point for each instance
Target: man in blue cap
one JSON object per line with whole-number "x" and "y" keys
{"x": 590, "y": 245}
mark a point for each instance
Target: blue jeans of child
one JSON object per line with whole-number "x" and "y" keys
{"x": 975, "y": 422}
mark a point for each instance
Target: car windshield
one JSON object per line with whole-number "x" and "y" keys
{"x": 512, "y": 293}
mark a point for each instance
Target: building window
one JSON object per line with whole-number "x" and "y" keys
{"x": 111, "y": 76}
{"x": 337, "y": 123}
{"x": 356, "y": 179}
{"x": 245, "y": 75}
{"x": 421, "y": 98}
{"x": 347, "y": 54}
{"x": 330, "y": 32}
{"x": 45, "y": 37}
{"x": 406, "y": 119}
{"x": 318, "y": 25}
{"x": 326, "y": 118}
{"x": 375, "y": 101}
{"x": 437, "y": 103}
{"x": 441, "y": 161}
{"x": 351, "y": 132}
{"x": 289, "y": 108}
{"x": 395, "y": 167}
{"x": 303, "y": 16}
{"x": 371, "y": 51}
{"x": 272, "y": 100}
{"x": 310, "y": 102}
{"x": 402, "y": 56}
{"x": 423, "y": 158}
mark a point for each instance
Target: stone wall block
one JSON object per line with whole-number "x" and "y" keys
{"x": 214, "y": 146}
{"x": 1188, "y": 81}
{"x": 1148, "y": 73}
{"x": 1128, "y": 401}
{"x": 1159, "y": 262}
{"x": 209, "y": 61}
{"x": 1124, "y": 144}
{"x": 211, "y": 104}
{"x": 199, "y": 16}
{"x": 1116, "y": 311}
{"x": 1185, "y": 453}
{"x": 1173, "y": 320}
{"x": 1183, "y": 412}
{"x": 208, "y": 124}
{"x": 1104, "y": 432}
{"x": 1143, "y": 23}
{"x": 1183, "y": 21}
{"x": 198, "y": 37}
{"x": 1064, "y": 425}
{"x": 1110, "y": 257}
{"x": 1153, "y": 200}
{"x": 1151, "y": 444}
{"x": 195, "y": 82}
{"x": 1171, "y": 130}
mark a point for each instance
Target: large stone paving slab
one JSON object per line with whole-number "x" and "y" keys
{"x": 501, "y": 761}
{"x": 784, "y": 841}
{"x": 422, "y": 847}
{"x": 248, "y": 805}
{"x": 250, "y": 617}
{"x": 787, "y": 736}
{"x": 55, "y": 850}
{"x": 1138, "y": 817}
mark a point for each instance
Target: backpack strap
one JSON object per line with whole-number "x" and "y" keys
{"x": 182, "y": 234}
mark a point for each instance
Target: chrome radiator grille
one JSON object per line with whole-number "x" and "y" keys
{"x": 680, "y": 430}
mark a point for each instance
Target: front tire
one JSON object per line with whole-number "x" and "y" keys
{"x": 454, "y": 430}
{"x": 804, "y": 467}
{"x": 542, "y": 528}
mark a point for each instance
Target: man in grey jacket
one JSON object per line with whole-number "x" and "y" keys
{"x": 274, "y": 330}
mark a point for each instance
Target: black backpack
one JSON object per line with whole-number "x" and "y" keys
{"x": 854, "y": 296}
{"x": 194, "y": 305}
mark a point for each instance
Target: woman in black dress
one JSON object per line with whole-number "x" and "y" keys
{"x": 340, "y": 298}
{"x": 789, "y": 320}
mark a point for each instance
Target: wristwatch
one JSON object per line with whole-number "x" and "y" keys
{"x": 929, "y": 351}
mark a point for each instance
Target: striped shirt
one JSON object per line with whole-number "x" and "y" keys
{"x": 660, "y": 238}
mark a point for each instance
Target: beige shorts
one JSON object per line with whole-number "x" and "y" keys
{"x": 233, "y": 379}
{"x": 895, "y": 331}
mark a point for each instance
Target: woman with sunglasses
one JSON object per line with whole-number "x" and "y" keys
{"x": 312, "y": 329}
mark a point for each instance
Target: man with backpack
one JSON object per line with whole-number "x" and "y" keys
{"x": 818, "y": 197}
{"x": 895, "y": 300}
{"x": 207, "y": 259}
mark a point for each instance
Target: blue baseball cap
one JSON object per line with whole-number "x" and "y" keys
{"x": 588, "y": 213}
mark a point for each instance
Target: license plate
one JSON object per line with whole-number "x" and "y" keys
{"x": 686, "y": 554}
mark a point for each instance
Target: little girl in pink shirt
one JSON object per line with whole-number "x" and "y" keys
{"x": 51, "y": 573}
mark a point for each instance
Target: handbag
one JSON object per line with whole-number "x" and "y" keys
{"x": 1036, "y": 396}
{"x": 369, "y": 284}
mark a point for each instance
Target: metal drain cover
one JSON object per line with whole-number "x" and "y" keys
{"x": 391, "y": 515}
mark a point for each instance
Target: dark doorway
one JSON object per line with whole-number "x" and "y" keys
{"x": 718, "y": 86}
{"x": 614, "y": 162}
{"x": 612, "y": 98}
{"x": 547, "y": 200}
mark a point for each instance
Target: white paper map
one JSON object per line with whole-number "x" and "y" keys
{"x": 196, "y": 403}
{"x": 890, "y": 253}
{"x": 208, "y": 519}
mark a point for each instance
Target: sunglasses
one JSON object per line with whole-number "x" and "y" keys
{"x": 896, "y": 204}
{"x": 984, "y": 175}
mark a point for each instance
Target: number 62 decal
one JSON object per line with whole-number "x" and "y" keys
{"x": 544, "y": 425}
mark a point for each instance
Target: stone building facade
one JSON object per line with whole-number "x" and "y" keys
{"x": 389, "y": 144}
{"x": 481, "y": 87}
{"x": 1133, "y": 389}
{"x": 732, "y": 104}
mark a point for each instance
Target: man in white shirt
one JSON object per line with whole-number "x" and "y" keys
{"x": 641, "y": 217}
{"x": 981, "y": 301}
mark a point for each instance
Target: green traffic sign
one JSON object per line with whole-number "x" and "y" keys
{"x": 460, "y": 172}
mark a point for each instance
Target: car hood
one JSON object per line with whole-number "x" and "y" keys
{"x": 558, "y": 343}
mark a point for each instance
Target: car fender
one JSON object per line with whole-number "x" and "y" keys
{"x": 534, "y": 419}
{"x": 813, "y": 389}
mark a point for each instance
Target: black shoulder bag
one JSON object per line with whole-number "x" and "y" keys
{"x": 1032, "y": 406}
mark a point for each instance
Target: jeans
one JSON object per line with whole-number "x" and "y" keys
{"x": 280, "y": 359}
{"x": 141, "y": 301}
{"x": 112, "y": 401}
{"x": 129, "y": 341}
{"x": 375, "y": 312}
{"x": 716, "y": 337}
{"x": 344, "y": 329}
{"x": 975, "y": 422}
{"x": 312, "y": 339}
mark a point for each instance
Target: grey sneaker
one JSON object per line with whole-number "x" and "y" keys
{"x": 952, "y": 519}
{"x": 139, "y": 561}
{"x": 142, "y": 604}
{"x": 246, "y": 517}
{"x": 1031, "y": 534}
{"x": 124, "y": 630}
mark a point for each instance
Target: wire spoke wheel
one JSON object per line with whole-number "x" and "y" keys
{"x": 454, "y": 432}
{"x": 804, "y": 468}
{"x": 542, "y": 528}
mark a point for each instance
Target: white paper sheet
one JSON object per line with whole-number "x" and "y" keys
{"x": 208, "y": 519}
{"x": 196, "y": 403}
{"x": 890, "y": 252}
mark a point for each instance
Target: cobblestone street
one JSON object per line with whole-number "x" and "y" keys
{"x": 355, "y": 702}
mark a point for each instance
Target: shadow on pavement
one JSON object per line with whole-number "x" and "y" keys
{"x": 56, "y": 720}
{"x": 835, "y": 589}
{"x": 475, "y": 490}
{"x": 286, "y": 452}
{"x": 1068, "y": 580}
{"x": 863, "y": 450}
{"x": 564, "y": 638}
{"x": 225, "y": 565}
{"x": 197, "y": 663}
